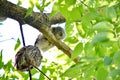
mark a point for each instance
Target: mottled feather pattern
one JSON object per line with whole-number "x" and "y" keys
{"x": 26, "y": 57}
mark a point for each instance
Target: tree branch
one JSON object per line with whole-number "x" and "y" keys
{"x": 58, "y": 18}
{"x": 40, "y": 21}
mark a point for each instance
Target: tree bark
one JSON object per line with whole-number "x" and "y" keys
{"x": 40, "y": 21}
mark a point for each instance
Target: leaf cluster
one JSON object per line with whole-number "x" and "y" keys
{"x": 92, "y": 29}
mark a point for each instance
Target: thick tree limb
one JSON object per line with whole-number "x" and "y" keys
{"x": 58, "y": 18}
{"x": 39, "y": 21}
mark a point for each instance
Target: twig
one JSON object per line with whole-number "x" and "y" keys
{"x": 30, "y": 75}
{"x": 84, "y": 4}
{"x": 41, "y": 72}
{"x": 22, "y": 34}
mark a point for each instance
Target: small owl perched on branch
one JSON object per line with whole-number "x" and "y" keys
{"x": 28, "y": 57}
{"x": 42, "y": 42}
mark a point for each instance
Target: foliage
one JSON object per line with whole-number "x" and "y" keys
{"x": 93, "y": 32}
{"x": 17, "y": 45}
{"x": 7, "y": 69}
{"x": 40, "y": 4}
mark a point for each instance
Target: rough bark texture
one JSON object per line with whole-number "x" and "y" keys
{"x": 58, "y": 18}
{"x": 40, "y": 21}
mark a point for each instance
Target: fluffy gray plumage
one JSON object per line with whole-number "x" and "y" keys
{"x": 43, "y": 44}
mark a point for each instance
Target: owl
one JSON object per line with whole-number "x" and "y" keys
{"x": 28, "y": 57}
{"x": 42, "y": 42}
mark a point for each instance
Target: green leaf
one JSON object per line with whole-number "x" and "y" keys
{"x": 71, "y": 39}
{"x": 8, "y": 66}
{"x": 30, "y": 9}
{"x": 1, "y": 59}
{"x": 92, "y": 3}
{"x": 71, "y": 15}
{"x": 115, "y": 74}
{"x": 89, "y": 71}
{"x": 70, "y": 2}
{"x": 73, "y": 71}
{"x": 1, "y": 56}
{"x": 102, "y": 37}
{"x": 107, "y": 60}
{"x": 89, "y": 50}
{"x": 64, "y": 11}
{"x": 111, "y": 13}
{"x": 75, "y": 14}
{"x": 42, "y": 5}
{"x": 116, "y": 57}
{"x": 103, "y": 26}
{"x": 24, "y": 75}
{"x": 34, "y": 79}
{"x": 42, "y": 77}
{"x": 77, "y": 50}
{"x": 38, "y": 5}
{"x": 80, "y": 30}
{"x": 100, "y": 50}
{"x": 20, "y": 2}
{"x": 17, "y": 45}
{"x": 86, "y": 19}
{"x": 34, "y": 71}
{"x": 69, "y": 29}
{"x": 102, "y": 74}
{"x": 55, "y": 9}
{"x": 47, "y": 4}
